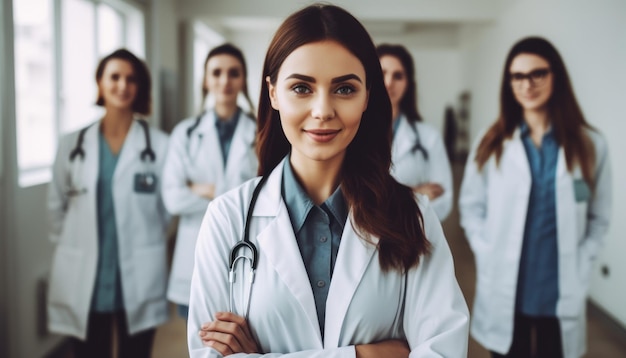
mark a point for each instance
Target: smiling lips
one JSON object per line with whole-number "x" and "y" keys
{"x": 322, "y": 135}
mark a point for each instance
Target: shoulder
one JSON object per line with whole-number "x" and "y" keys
{"x": 431, "y": 223}
{"x": 427, "y": 128}
{"x": 71, "y": 139}
{"x": 181, "y": 128}
{"x": 430, "y": 134}
{"x": 235, "y": 202}
{"x": 248, "y": 121}
{"x": 597, "y": 138}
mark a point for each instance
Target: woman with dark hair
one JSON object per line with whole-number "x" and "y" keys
{"x": 418, "y": 154}
{"x": 535, "y": 205}
{"x": 208, "y": 155}
{"x": 332, "y": 257}
{"x": 108, "y": 221}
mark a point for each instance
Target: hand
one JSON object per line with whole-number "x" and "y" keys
{"x": 204, "y": 190}
{"x": 431, "y": 190}
{"x": 389, "y": 348}
{"x": 228, "y": 334}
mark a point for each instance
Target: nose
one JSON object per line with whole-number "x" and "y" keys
{"x": 122, "y": 83}
{"x": 323, "y": 108}
{"x": 224, "y": 79}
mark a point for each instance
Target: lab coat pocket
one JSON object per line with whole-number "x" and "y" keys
{"x": 581, "y": 190}
{"x": 65, "y": 276}
{"x": 150, "y": 267}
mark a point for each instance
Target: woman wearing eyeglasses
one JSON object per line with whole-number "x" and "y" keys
{"x": 535, "y": 204}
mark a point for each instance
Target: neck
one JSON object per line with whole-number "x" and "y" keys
{"x": 538, "y": 123}
{"x": 537, "y": 120}
{"x": 319, "y": 178}
{"x": 225, "y": 111}
{"x": 116, "y": 122}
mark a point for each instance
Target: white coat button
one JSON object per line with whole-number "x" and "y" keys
{"x": 321, "y": 283}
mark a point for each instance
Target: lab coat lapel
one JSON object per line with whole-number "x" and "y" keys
{"x": 353, "y": 258}
{"x": 91, "y": 163}
{"x": 239, "y": 146}
{"x": 561, "y": 165}
{"x": 518, "y": 153}
{"x": 211, "y": 153}
{"x": 131, "y": 150}
{"x": 278, "y": 245}
{"x": 404, "y": 138}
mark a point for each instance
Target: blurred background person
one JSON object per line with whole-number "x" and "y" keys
{"x": 108, "y": 221}
{"x": 208, "y": 155}
{"x": 535, "y": 206}
{"x": 419, "y": 155}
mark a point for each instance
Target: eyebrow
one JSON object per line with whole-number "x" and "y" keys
{"x": 351, "y": 76}
{"x": 531, "y": 71}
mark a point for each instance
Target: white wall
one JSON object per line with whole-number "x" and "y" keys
{"x": 590, "y": 38}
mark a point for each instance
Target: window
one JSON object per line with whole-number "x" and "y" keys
{"x": 35, "y": 105}
{"x": 58, "y": 44}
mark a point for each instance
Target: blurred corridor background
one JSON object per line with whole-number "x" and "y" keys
{"x": 50, "y": 49}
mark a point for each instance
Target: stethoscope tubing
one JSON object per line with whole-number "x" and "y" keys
{"x": 235, "y": 257}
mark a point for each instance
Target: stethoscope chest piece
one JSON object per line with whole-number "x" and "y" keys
{"x": 246, "y": 252}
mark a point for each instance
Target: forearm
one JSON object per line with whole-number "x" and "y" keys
{"x": 180, "y": 200}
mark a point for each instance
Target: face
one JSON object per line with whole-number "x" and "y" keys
{"x": 224, "y": 78}
{"x": 396, "y": 81}
{"x": 531, "y": 81}
{"x": 320, "y": 93}
{"x": 118, "y": 84}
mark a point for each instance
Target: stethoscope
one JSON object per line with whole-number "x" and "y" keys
{"x": 417, "y": 147}
{"x": 236, "y": 255}
{"x": 147, "y": 178}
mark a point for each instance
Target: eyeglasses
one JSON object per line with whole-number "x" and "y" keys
{"x": 536, "y": 78}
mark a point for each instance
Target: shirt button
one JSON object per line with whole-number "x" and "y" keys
{"x": 321, "y": 283}
{"x": 323, "y": 239}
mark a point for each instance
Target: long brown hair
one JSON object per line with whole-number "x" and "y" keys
{"x": 231, "y": 50}
{"x": 567, "y": 119}
{"x": 380, "y": 205}
{"x": 408, "y": 103}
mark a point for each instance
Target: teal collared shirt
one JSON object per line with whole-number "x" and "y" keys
{"x": 538, "y": 278}
{"x": 225, "y": 133}
{"x": 107, "y": 295}
{"x": 318, "y": 231}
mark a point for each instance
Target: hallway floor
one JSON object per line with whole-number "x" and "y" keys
{"x": 604, "y": 340}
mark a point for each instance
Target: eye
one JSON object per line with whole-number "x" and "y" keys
{"x": 539, "y": 74}
{"x": 517, "y": 76}
{"x": 132, "y": 79}
{"x": 301, "y": 89}
{"x": 115, "y": 77}
{"x": 216, "y": 72}
{"x": 398, "y": 76}
{"x": 345, "y": 90}
{"x": 234, "y": 73}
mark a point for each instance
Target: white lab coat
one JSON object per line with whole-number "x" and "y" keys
{"x": 411, "y": 168}
{"x": 141, "y": 222}
{"x": 493, "y": 205}
{"x": 364, "y": 304}
{"x": 198, "y": 158}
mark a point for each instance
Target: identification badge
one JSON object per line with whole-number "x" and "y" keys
{"x": 145, "y": 183}
{"x": 581, "y": 190}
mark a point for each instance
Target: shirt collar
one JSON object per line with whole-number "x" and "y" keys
{"x": 228, "y": 124}
{"x": 525, "y": 130}
{"x": 299, "y": 204}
